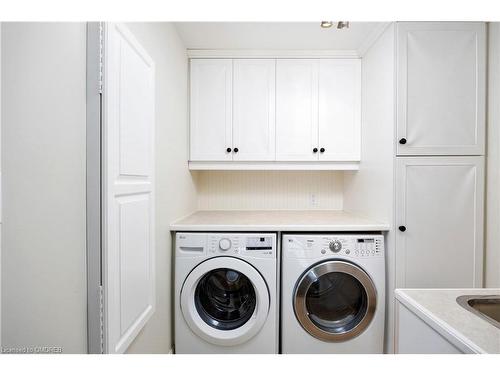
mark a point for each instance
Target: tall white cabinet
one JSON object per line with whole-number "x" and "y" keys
{"x": 439, "y": 240}
{"x": 441, "y": 71}
{"x": 441, "y": 122}
{"x": 423, "y": 132}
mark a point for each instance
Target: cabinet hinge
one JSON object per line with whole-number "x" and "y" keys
{"x": 101, "y": 317}
{"x": 101, "y": 57}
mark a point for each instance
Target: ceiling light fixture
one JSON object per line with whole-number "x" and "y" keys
{"x": 326, "y": 24}
{"x": 343, "y": 25}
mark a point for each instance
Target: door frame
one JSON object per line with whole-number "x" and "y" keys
{"x": 95, "y": 344}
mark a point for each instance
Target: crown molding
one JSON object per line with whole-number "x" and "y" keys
{"x": 372, "y": 38}
{"x": 276, "y": 54}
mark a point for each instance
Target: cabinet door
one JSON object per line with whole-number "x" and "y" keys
{"x": 441, "y": 88}
{"x": 339, "y": 109}
{"x": 254, "y": 109}
{"x": 297, "y": 109}
{"x": 211, "y": 109}
{"x": 414, "y": 336}
{"x": 439, "y": 200}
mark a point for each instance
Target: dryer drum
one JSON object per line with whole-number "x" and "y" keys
{"x": 335, "y": 301}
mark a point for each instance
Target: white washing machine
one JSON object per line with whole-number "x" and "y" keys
{"x": 333, "y": 293}
{"x": 226, "y": 293}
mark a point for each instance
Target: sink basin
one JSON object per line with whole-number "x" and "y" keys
{"x": 486, "y": 307}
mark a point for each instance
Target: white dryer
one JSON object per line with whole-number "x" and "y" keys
{"x": 333, "y": 293}
{"x": 226, "y": 293}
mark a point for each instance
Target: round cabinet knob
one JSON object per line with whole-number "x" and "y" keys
{"x": 225, "y": 244}
{"x": 335, "y": 246}
{"x": 228, "y": 149}
{"x": 402, "y": 228}
{"x": 315, "y": 149}
{"x": 402, "y": 141}
{"x": 321, "y": 150}
{"x": 236, "y": 149}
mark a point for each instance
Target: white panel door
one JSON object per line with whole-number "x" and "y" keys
{"x": 441, "y": 88}
{"x": 297, "y": 109}
{"x": 439, "y": 214}
{"x": 254, "y": 109}
{"x": 211, "y": 109}
{"x": 128, "y": 187}
{"x": 339, "y": 109}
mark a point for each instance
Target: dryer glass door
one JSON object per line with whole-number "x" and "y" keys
{"x": 335, "y": 301}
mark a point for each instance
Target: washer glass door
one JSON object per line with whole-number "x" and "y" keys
{"x": 335, "y": 301}
{"x": 225, "y": 301}
{"x": 225, "y": 298}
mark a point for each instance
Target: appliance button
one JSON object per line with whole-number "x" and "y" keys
{"x": 225, "y": 244}
{"x": 335, "y": 246}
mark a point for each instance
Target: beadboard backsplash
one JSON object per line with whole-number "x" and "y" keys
{"x": 249, "y": 190}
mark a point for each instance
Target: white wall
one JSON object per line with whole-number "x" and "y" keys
{"x": 0, "y": 184}
{"x": 43, "y": 165}
{"x": 175, "y": 188}
{"x": 370, "y": 191}
{"x": 246, "y": 190}
{"x": 492, "y": 258}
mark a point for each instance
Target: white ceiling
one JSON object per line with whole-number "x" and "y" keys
{"x": 273, "y": 35}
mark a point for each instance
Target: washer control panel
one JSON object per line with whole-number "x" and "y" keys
{"x": 257, "y": 245}
{"x": 350, "y": 246}
{"x": 225, "y": 244}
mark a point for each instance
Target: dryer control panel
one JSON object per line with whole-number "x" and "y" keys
{"x": 348, "y": 246}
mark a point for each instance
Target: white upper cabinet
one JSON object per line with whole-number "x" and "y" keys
{"x": 439, "y": 212}
{"x": 339, "y": 109}
{"x": 297, "y": 109}
{"x": 246, "y": 113}
{"x": 254, "y": 109}
{"x": 211, "y": 109}
{"x": 318, "y": 109}
{"x": 441, "y": 88}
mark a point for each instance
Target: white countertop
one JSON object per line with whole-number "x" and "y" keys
{"x": 277, "y": 220}
{"x": 439, "y": 309}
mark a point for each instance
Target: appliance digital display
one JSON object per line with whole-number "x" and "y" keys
{"x": 259, "y": 243}
{"x": 366, "y": 240}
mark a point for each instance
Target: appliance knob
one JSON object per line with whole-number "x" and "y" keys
{"x": 225, "y": 244}
{"x": 335, "y": 246}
